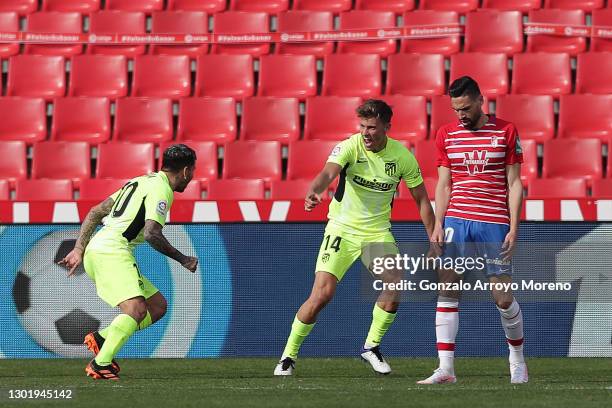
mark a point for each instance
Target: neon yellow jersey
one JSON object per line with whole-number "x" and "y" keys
{"x": 142, "y": 198}
{"x": 368, "y": 181}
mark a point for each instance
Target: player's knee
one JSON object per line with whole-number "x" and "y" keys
{"x": 162, "y": 307}
{"x": 139, "y": 311}
{"x": 322, "y": 297}
{"x": 503, "y": 303}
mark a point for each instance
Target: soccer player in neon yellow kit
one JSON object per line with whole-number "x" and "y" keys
{"x": 135, "y": 213}
{"x": 371, "y": 166}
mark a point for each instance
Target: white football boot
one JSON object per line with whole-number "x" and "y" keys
{"x": 439, "y": 377}
{"x": 285, "y": 367}
{"x": 376, "y": 360}
{"x": 518, "y": 373}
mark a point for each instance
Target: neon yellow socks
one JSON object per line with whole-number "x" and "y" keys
{"x": 381, "y": 321}
{"x": 116, "y": 334}
{"x": 299, "y": 331}
{"x": 146, "y": 322}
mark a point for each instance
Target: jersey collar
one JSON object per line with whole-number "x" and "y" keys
{"x": 164, "y": 177}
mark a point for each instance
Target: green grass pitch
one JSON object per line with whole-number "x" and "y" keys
{"x": 342, "y": 382}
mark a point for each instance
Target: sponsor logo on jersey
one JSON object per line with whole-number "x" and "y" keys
{"x": 373, "y": 184}
{"x": 475, "y": 161}
{"x": 390, "y": 168}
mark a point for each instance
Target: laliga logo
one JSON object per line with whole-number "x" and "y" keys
{"x": 380, "y": 33}
{"x": 188, "y": 38}
{"x": 569, "y": 31}
{"x": 92, "y": 38}
{"x": 284, "y": 37}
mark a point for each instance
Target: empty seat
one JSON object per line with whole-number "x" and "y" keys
{"x": 442, "y": 113}
{"x": 602, "y": 188}
{"x": 36, "y": 75}
{"x": 367, "y": 19}
{"x": 81, "y": 119}
{"x": 135, "y": 5}
{"x": 288, "y": 75}
{"x": 236, "y": 189}
{"x": 585, "y": 116}
{"x": 206, "y": 153}
{"x": 507, "y": 36}
{"x": 143, "y": 120}
{"x": 267, "y": 6}
{"x": 208, "y": 6}
{"x": 125, "y": 160}
{"x": 225, "y": 75}
{"x": 594, "y": 73}
{"x": 586, "y": 5}
{"x": 100, "y": 189}
{"x": 61, "y": 160}
{"x": 252, "y": 159}
{"x": 529, "y": 168}
{"x": 542, "y": 73}
{"x": 429, "y": 43}
{"x": 396, "y": 6}
{"x": 533, "y": 115}
{"x": 320, "y": 109}
{"x": 307, "y": 158}
{"x": 19, "y": 6}
{"x": 352, "y": 75}
{"x": 270, "y": 118}
{"x": 335, "y": 6}
{"x": 519, "y": 5}
{"x": 13, "y": 165}
{"x": 556, "y": 43}
{"x": 557, "y": 188}
{"x": 43, "y": 190}
{"x": 290, "y": 190}
{"x": 489, "y": 70}
{"x": 4, "y": 190}
{"x": 207, "y": 119}
{"x": 108, "y": 23}
{"x": 585, "y": 157}
{"x": 409, "y": 120}
{"x": 193, "y": 192}
{"x": 460, "y": 6}
{"x": 601, "y": 19}
{"x": 426, "y": 153}
{"x": 99, "y": 75}
{"x": 234, "y": 23}
{"x": 54, "y": 22}
{"x": 180, "y": 22}
{"x": 165, "y": 76}
{"x": 426, "y": 74}
{"x": 9, "y": 22}
{"x": 300, "y": 21}
{"x": 23, "y": 119}
{"x": 80, "y": 6}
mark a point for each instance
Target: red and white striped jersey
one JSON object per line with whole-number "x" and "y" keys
{"x": 477, "y": 160}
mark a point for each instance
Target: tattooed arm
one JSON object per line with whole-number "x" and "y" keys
{"x": 153, "y": 235}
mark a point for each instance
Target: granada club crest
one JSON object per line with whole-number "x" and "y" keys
{"x": 494, "y": 141}
{"x": 390, "y": 168}
{"x": 475, "y": 161}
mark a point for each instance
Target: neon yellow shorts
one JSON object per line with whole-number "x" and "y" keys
{"x": 117, "y": 277}
{"x": 339, "y": 250}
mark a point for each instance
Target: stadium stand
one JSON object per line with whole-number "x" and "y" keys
{"x": 135, "y": 5}
{"x": 409, "y": 117}
{"x": 143, "y": 120}
{"x": 585, "y": 116}
{"x": 304, "y": 20}
{"x": 99, "y": 189}
{"x": 23, "y": 119}
{"x": 427, "y": 76}
{"x": 335, "y": 6}
{"x": 19, "y": 6}
{"x": 80, "y": 6}
{"x": 54, "y": 22}
{"x": 99, "y": 75}
{"x": 585, "y": 157}
{"x": 236, "y": 189}
{"x": 208, "y": 6}
{"x": 270, "y": 118}
{"x": 507, "y": 37}
{"x": 13, "y": 165}
{"x": 108, "y": 22}
{"x": 207, "y": 119}
{"x": 320, "y": 109}
{"x": 81, "y": 119}
{"x": 594, "y": 73}
{"x": 523, "y": 6}
{"x": 241, "y": 22}
{"x": 180, "y": 22}
{"x": 443, "y": 45}
{"x": 9, "y": 22}
{"x": 307, "y": 158}
{"x": 364, "y": 19}
{"x": 557, "y": 188}
{"x": 41, "y": 76}
{"x": 267, "y": 6}
{"x": 292, "y": 76}
{"x": 461, "y": 6}
{"x": 253, "y": 159}
{"x": 225, "y": 75}
{"x": 396, "y": 6}
{"x": 602, "y": 18}
{"x": 290, "y": 189}
{"x": 163, "y": 76}
{"x": 542, "y": 74}
{"x": 61, "y": 160}
{"x": 352, "y": 75}
{"x": 555, "y": 43}
{"x": 43, "y": 190}
{"x": 112, "y": 161}
{"x": 533, "y": 115}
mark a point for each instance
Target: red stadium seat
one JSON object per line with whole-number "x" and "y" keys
{"x": 143, "y": 120}
{"x": 307, "y": 158}
{"x": 430, "y": 186}
{"x": 207, "y": 162}
{"x": 352, "y": 75}
{"x": 288, "y": 76}
{"x": 426, "y": 153}
{"x": 135, "y": 5}
{"x": 442, "y": 113}
{"x": 9, "y": 22}
{"x": 99, "y": 75}
{"x": 443, "y": 45}
{"x": 99, "y": 189}
{"x": 225, "y": 75}
{"x": 107, "y": 22}
{"x": 586, "y": 5}
{"x": 557, "y": 188}
{"x": 37, "y": 76}
{"x": 236, "y": 189}
{"x": 80, "y": 6}
{"x": 594, "y": 73}
{"x": 529, "y": 168}
{"x": 267, "y": 6}
{"x": 396, "y": 6}
{"x": 542, "y": 73}
{"x": 4, "y": 190}
{"x": 13, "y": 165}
{"x": 296, "y": 21}
{"x": 193, "y": 191}
{"x": 270, "y": 118}
{"x": 553, "y": 43}
{"x": 426, "y": 74}
{"x": 19, "y": 6}
{"x": 241, "y": 22}
{"x": 460, "y": 6}
{"x": 208, "y": 6}
{"x": 602, "y": 188}
{"x": 320, "y": 109}
{"x": 519, "y": 5}
{"x": 601, "y": 18}
{"x": 81, "y": 119}
{"x": 585, "y": 157}
{"x": 409, "y": 120}
{"x": 207, "y": 119}
{"x": 366, "y": 19}
{"x": 55, "y": 22}
{"x": 23, "y": 119}
{"x": 335, "y": 6}
{"x": 125, "y": 160}
{"x": 533, "y": 115}
{"x": 489, "y": 70}
{"x": 180, "y": 22}
{"x": 43, "y": 190}
{"x": 507, "y": 36}
{"x": 253, "y": 160}
{"x": 585, "y": 116}
{"x": 290, "y": 190}
{"x": 164, "y": 76}
{"x": 61, "y": 160}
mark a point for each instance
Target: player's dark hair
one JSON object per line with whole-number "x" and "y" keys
{"x": 375, "y": 108}
{"x": 464, "y": 86}
{"x": 177, "y": 157}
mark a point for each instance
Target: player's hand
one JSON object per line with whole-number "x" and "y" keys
{"x": 191, "y": 263}
{"x": 312, "y": 200}
{"x": 508, "y": 246}
{"x": 72, "y": 260}
{"x": 436, "y": 242}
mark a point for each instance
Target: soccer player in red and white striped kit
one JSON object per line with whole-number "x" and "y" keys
{"x": 478, "y": 206}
